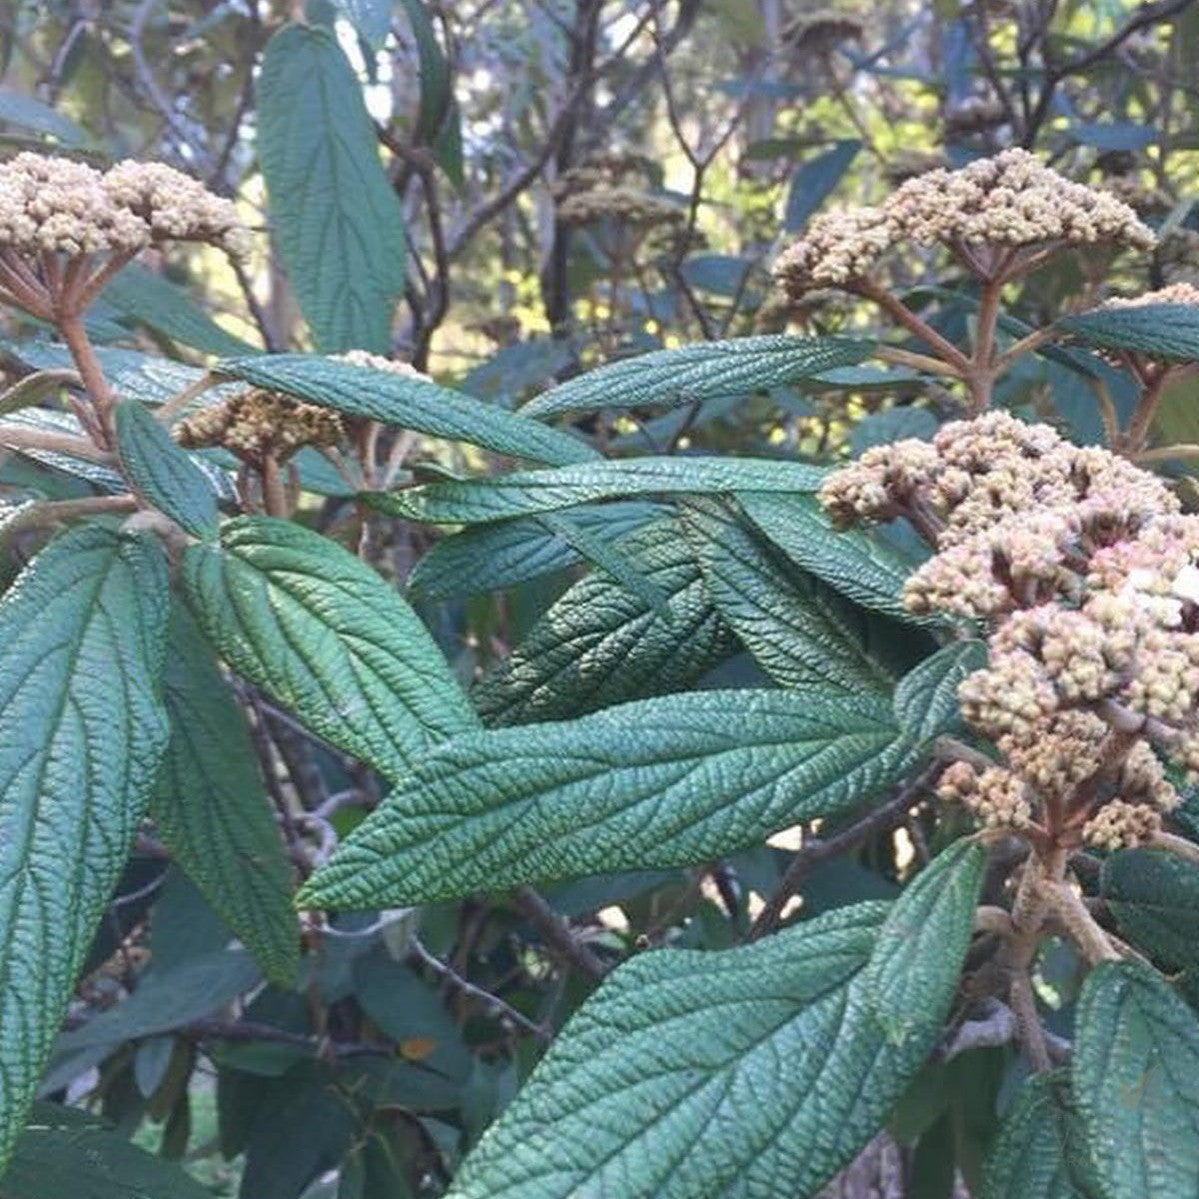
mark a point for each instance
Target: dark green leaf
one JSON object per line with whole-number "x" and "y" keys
{"x": 1040, "y": 1151}
{"x": 800, "y": 631}
{"x": 487, "y": 557}
{"x": 698, "y": 372}
{"x": 323, "y": 634}
{"x": 525, "y": 492}
{"x": 212, "y": 811}
{"x": 410, "y": 403}
{"x": 719, "y": 274}
{"x": 1135, "y": 1074}
{"x": 926, "y": 700}
{"x": 1168, "y": 331}
{"x": 435, "y": 92}
{"x": 754, "y": 1073}
{"x": 600, "y": 644}
{"x": 853, "y": 562}
{"x": 156, "y": 302}
{"x": 813, "y": 183}
{"x": 647, "y": 785}
{"x": 338, "y": 222}
{"x": 82, "y": 730}
{"x": 913, "y": 971}
{"x": 892, "y": 424}
{"x": 411, "y": 1013}
{"x": 66, "y": 1154}
{"x": 165, "y": 1001}
{"x": 26, "y": 112}
{"x": 1155, "y": 897}
{"x": 50, "y": 421}
{"x": 161, "y": 473}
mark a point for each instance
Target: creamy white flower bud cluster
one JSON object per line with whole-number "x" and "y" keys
{"x": 1122, "y": 825}
{"x": 1174, "y": 293}
{"x": 256, "y": 424}
{"x": 65, "y": 207}
{"x": 1088, "y": 576}
{"x": 392, "y": 366}
{"x": 1008, "y": 201}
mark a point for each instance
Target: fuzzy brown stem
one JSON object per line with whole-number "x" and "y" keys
{"x": 274, "y": 494}
{"x": 895, "y": 308}
{"x": 1079, "y": 924}
{"x": 70, "y": 326}
{"x": 1175, "y": 845}
{"x": 17, "y": 437}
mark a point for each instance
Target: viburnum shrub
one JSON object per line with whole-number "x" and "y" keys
{"x": 982, "y": 645}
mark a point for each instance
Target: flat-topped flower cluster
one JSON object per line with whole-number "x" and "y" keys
{"x": 66, "y": 207}
{"x": 1007, "y": 203}
{"x": 1084, "y": 570}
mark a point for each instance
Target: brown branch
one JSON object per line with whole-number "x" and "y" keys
{"x": 881, "y": 819}
{"x": 558, "y": 933}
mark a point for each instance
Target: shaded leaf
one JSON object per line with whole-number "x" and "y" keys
{"x": 487, "y": 557}
{"x": 600, "y": 644}
{"x": 853, "y": 562}
{"x": 1040, "y": 1151}
{"x": 211, "y": 808}
{"x": 156, "y": 302}
{"x": 161, "y": 473}
{"x": 815, "y": 180}
{"x": 64, "y": 1153}
{"x": 799, "y": 631}
{"x": 1154, "y": 896}
{"x": 325, "y": 636}
{"x": 1135, "y": 1074}
{"x": 926, "y": 700}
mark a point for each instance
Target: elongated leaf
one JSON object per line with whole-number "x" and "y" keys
{"x": 700, "y": 372}
{"x": 409, "y": 403}
{"x": 435, "y": 92}
{"x": 338, "y": 222}
{"x": 755, "y": 1073}
{"x": 1041, "y": 1150}
{"x": 525, "y": 492}
{"x": 211, "y": 808}
{"x": 1135, "y": 1074}
{"x": 1154, "y": 896}
{"x": 600, "y": 644}
{"x": 913, "y": 970}
{"x": 161, "y": 473}
{"x": 812, "y": 184}
{"x": 64, "y": 1153}
{"x": 854, "y": 563}
{"x": 164, "y": 1001}
{"x": 50, "y": 421}
{"x": 800, "y": 631}
{"x": 487, "y": 557}
{"x": 156, "y": 302}
{"x": 25, "y": 112}
{"x": 607, "y": 558}
{"x": 82, "y": 729}
{"x": 646, "y": 785}
{"x": 319, "y": 631}
{"x": 1169, "y": 331}
{"x": 926, "y": 700}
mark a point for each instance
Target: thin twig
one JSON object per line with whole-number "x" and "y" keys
{"x": 887, "y": 816}
{"x": 558, "y": 933}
